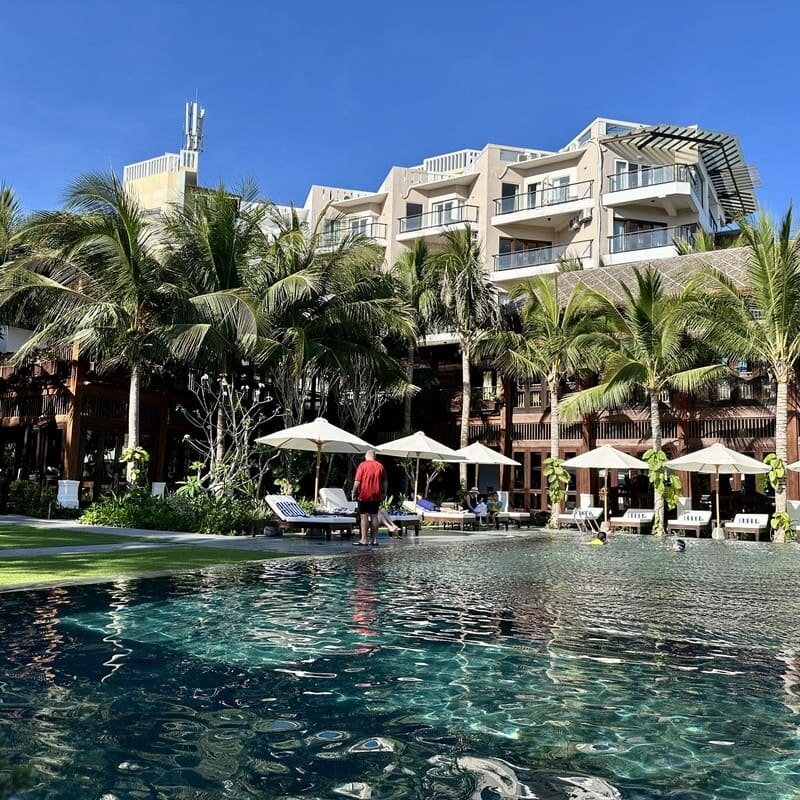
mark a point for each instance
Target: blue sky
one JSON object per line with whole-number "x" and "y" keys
{"x": 337, "y": 93}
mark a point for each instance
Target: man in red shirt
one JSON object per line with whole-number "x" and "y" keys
{"x": 369, "y": 488}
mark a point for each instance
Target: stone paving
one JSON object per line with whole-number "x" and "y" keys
{"x": 290, "y": 544}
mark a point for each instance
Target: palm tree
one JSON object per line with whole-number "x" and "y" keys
{"x": 705, "y": 242}
{"x": 97, "y": 282}
{"x": 645, "y": 350}
{"x": 12, "y": 227}
{"x": 760, "y": 320}
{"x": 421, "y": 299}
{"x": 211, "y": 246}
{"x": 469, "y": 305}
{"x": 556, "y": 336}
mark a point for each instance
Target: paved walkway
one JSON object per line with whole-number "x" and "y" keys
{"x": 289, "y": 545}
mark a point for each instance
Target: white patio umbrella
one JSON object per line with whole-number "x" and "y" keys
{"x": 318, "y": 436}
{"x": 607, "y": 458}
{"x": 419, "y": 446}
{"x": 477, "y": 453}
{"x": 794, "y": 466}
{"x": 717, "y": 460}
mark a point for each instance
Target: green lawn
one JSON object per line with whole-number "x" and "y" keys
{"x": 121, "y": 563}
{"x": 16, "y": 536}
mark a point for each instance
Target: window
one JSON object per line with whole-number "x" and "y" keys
{"x": 508, "y": 200}
{"x": 446, "y": 212}
{"x": 533, "y": 195}
{"x": 413, "y": 219}
{"x": 509, "y": 155}
{"x": 360, "y": 225}
{"x": 558, "y": 192}
{"x": 535, "y": 481}
{"x": 612, "y": 129}
{"x": 631, "y": 234}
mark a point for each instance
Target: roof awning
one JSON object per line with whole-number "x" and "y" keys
{"x": 720, "y": 153}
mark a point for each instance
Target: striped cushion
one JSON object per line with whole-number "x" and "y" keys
{"x": 289, "y": 508}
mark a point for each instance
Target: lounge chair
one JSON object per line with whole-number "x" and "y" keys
{"x": 443, "y": 518}
{"x": 506, "y": 515}
{"x": 291, "y": 515}
{"x": 586, "y": 520}
{"x": 690, "y": 522}
{"x": 745, "y": 524}
{"x": 634, "y": 519}
{"x": 335, "y": 500}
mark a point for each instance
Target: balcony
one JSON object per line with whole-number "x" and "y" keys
{"x": 675, "y": 187}
{"x": 646, "y": 244}
{"x": 539, "y": 261}
{"x": 374, "y": 231}
{"x": 436, "y": 222}
{"x": 548, "y": 204}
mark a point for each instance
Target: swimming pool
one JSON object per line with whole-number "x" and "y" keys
{"x": 531, "y": 667}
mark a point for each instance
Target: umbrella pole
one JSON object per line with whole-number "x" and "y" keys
{"x": 717, "y": 471}
{"x": 416, "y": 481}
{"x": 605, "y": 496}
{"x": 316, "y": 480}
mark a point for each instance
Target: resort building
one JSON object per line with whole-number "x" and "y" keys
{"x": 617, "y": 194}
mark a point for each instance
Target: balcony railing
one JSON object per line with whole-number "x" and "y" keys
{"x": 544, "y": 197}
{"x": 373, "y": 230}
{"x": 652, "y": 176}
{"x": 539, "y": 256}
{"x": 653, "y": 237}
{"x": 439, "y": 217}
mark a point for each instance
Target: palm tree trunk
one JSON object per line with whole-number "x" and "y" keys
{"x": 466, "y": 392}
{"x": 555, "y": 440}
{"x": 655, "y": 432}
{"x": 409, "y": 380}
{"x": 133, "y": 413}
{"x": 781, "y": 438}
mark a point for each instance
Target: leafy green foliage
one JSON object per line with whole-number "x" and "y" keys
{"x": 557, "y": 481}
{"x": 777, "y": 472}
{"x": 138, "y": 458}
{"x": 666, "y": 484}
{"x": 782, "y": 525}
{"x": 30, "y": 499}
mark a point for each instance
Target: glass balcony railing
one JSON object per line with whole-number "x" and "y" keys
{"x": 371, "y": 230}
{"x": 544, "y": 197}
{"x": 540, "y": 256}
{"x": 439, "y": 217}
{"x": 653, "y": 176}
{"x": 647, "y": 239}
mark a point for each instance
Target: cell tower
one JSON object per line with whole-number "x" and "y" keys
{"x": 193, "y": 127}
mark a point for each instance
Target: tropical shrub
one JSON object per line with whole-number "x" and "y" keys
{"x": 782, "y": 527}
{"x": 557, "y": 482}
{"x": 665, "y": 484}
{"x": 138, "y": 509}
{"x": 31, "y": 499}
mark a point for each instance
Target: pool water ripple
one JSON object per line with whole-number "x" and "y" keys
{"x": 530, "y": 668}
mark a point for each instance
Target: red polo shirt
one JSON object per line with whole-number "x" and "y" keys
{"x": 370, "y": 476}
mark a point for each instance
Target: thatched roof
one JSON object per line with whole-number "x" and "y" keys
{"x": 676, "y": 271}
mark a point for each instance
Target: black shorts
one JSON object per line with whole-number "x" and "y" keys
{"x": 368, "y": 506}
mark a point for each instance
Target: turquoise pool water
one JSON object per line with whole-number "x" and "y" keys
{"x": 518, "y": 668}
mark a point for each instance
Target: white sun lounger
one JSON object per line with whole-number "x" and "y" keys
{"x": 292, "y": 515}
{"x": 745, "y": 524}
{"x": 691, "y": 522}
{"x": 335, "y": 501}
{"x": 506, "y": 515}
{"x": 459, "y": 519}
{"x": 586, "y": 520}
{"x": 635, "y": 519}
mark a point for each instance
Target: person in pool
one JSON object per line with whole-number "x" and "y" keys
{"x": 679, "y": 545}
{"x": 599, "y": 538}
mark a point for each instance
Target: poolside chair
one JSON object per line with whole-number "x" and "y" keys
{"x": 291, "y": 515}
{"x": 335, "y": 500}
{"x": 506, "y": 514}
{"x": 586, "y": 520}
{"x": 690, "y": 522}
{"x": 746, "y": 524}
{"x": 442, "y": 517}
{"x": 635, "y": 519}
{"x": 157, "y": 488}
{"x": 68, "y": 494}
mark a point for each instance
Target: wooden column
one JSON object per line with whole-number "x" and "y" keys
{"x": 160, "y": 466}
{"x": 72, "y": 430}
{"x": 793, "y": 433}
{"x": 507, "y": 431}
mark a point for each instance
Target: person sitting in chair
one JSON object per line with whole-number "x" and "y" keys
{"x": 473, "y": 503}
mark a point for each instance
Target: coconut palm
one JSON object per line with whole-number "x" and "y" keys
{"x": 211, "y": 246}
{"x": 469, "y": 305}
{"x": 556, "y": 335}
{"x": 760, "y": 320}
{"x": 422, "y": 300}
{"x": 97, "y": 282}
{"x": 12, "y": 227}
{"x": 646, "y": 350}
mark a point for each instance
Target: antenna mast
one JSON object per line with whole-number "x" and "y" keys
{"x": 193, "y": 126}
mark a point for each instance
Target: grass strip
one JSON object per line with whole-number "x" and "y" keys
{"x": 53, "y": 569}
{"x": 13, "y": 537}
